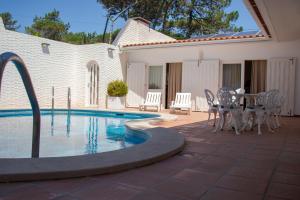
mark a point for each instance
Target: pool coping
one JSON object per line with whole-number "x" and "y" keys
{"x": 162, "y": 143}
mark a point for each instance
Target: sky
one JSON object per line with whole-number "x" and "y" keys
{"x": 88, "y": 15}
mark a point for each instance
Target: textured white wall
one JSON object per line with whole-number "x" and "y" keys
{"x": 225, "y": 52}
{"x": 65, "y": 66}
{"x": 107, "y": 57}
{"x": 136, "y": 31}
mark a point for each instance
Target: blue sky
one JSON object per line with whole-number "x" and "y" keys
{"x": 88, "y": 15}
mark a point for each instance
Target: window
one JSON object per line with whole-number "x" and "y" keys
{"x": 155, "y": 77}
{"x": 232, "y": 75}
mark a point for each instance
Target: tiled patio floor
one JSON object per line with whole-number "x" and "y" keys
{"x": 212, "y": 166}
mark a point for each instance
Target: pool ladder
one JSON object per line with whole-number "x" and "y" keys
{"x": 68, "y": 100}
{"x": 21, "y": 67}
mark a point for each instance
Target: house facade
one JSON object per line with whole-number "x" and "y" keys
{"x": 151, "y": 61}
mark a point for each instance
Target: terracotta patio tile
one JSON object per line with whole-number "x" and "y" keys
{"x": 288, "y": 168}
{"x": 194, "y": 177}
{"x": 290, "y": 157}
{"x": 229, "y": 151}
{"x": 143, "y": 180}
{"x": 223, "y": 194}
{"x": 214, "y": 164}
{"x": 261, "y": 157}
{"x": 254, "y": 163}
{"x": 207, "y": 167}
{"x": 275, "y": 147}
{"x": 66, "y": 197}
{"x": 251, "y": 173}
{"x": 202, "y": 148}
{"x": 110, "y": 192}
{"x": 291, "y": 179}
{"x": 179, "y": 188}
{"x": 154, "y": 195}
{"x": 219, "y": 160}
{"x": 177, "y": 162}
{"x": 6, "y": 188}
{"x": 284, "y": 191}
{"x": 292, "y": 147}
{"x": 273, "y": 198}
{"x": 241, "y": 184}
{"x": 265, "y": 152}
{"x": 60, "y": 187}
{"x": 30, "y": 193}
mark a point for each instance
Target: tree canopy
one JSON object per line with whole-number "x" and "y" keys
{"x": 87, "y": 38}
{"x": 179, "y": 18}
{"x": 9, "y": 22}
{"x": 50, "y": 26}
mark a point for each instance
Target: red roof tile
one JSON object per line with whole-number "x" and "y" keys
{"x": 196, "y": 40}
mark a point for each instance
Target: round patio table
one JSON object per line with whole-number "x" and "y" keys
{"x": 250, "y": 98}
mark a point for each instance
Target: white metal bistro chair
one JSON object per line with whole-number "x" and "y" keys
{"x": 182, "y": 101}
{"x": 212, "y": 106}
{"x": 153, "y": 99}
{"x": 279, "y": 101}
{"x": 264, "y": 111}
{"x": 229, "y": 106}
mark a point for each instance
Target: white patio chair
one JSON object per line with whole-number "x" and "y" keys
{"x": 229, "y": 106}
{"x": 262, "y": 112}
{"x": 182, "y": 102}
{"x": 212, "y": 106}
{"x": 153, "y": 99}
{"x": 279, "y": 101}
{"x": 273, "y": 106}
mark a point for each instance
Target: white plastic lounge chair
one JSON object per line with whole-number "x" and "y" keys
{"x": 153, "y": 99}
{"x": 182, "y": 102}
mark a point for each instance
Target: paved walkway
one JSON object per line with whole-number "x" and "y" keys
{"x": 211, "y": 167}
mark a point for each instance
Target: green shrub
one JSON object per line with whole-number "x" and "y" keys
{"x": 117, "y": 88}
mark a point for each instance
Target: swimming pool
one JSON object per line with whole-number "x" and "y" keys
{"x": 64, "y": 133}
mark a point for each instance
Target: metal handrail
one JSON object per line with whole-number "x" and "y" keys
{"x": 21, "y": 67}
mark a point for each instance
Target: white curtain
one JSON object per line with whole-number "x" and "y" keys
{"x": 155, "y": 77}
{"x": 232, "y": 75}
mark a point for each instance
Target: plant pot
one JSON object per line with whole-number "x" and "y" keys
{"x": 115, "y": 103}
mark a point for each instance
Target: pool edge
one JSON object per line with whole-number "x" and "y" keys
{"x": 163, "y": 143}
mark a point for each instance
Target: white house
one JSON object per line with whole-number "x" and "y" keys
{"x": 255, "y": 61}
{"x": 151, "y": 61}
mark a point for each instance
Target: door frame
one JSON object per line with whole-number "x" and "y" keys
{"x": 87, "y": 82}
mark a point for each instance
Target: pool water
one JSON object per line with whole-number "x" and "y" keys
{"x": 66, "y": 133}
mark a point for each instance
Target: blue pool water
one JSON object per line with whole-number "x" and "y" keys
{"x": 67, "y": 133}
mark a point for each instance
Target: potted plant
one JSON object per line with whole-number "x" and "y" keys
{"x": 116, "y": 91}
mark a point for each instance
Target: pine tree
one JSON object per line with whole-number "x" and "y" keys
{"x": 179, "y": 18}
{"x": 9, "y": 22}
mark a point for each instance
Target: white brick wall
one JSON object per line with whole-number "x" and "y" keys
{"x": 65, "y": 66}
